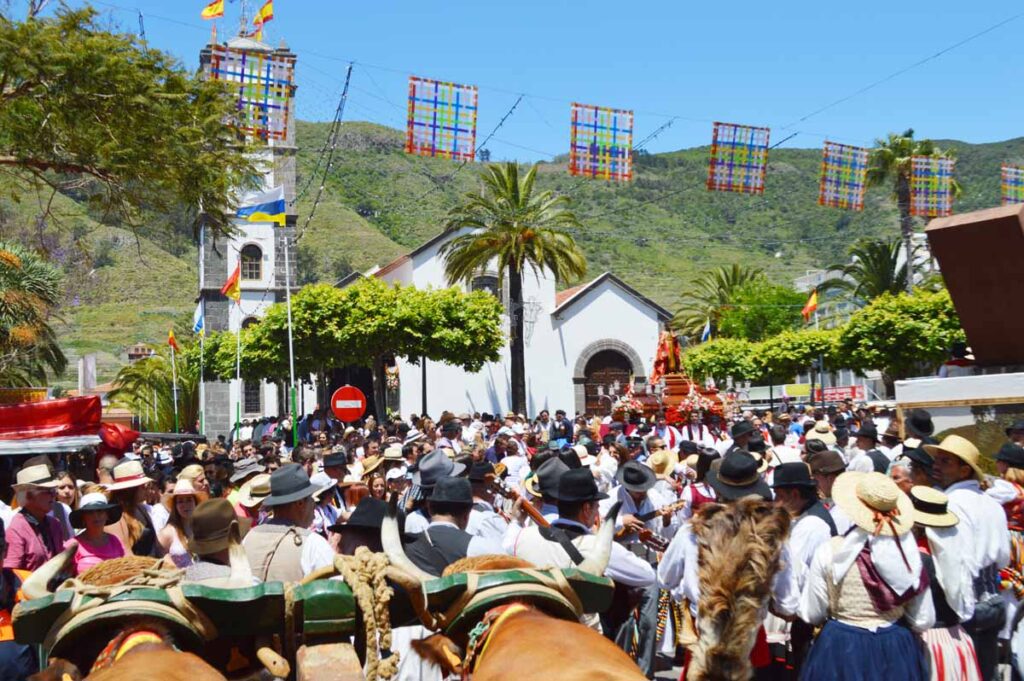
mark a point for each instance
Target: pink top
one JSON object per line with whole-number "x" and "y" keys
{"x": 89, "y": 556}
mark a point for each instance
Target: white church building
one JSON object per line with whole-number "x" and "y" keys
{"x": 582, "y": 344}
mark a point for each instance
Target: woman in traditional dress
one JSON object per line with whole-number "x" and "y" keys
{"x": 950, "y": 649}
{"x": 699, "y": 492}
{"x": 869, "y": 588}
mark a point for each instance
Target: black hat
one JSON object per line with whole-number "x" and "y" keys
{"x": 757, "y": 444}
{"x": 451, "y": 426}
{"x": 95, "y": 501}
{"x": 687, "y": 447}
{"x": 919, "y": 423}
{"x": 369, "y": 515}
{"x": 548, "y": 475}
{"x": 867, "y": 430}
{"x": 479, "y": 471}
{"x": 1016, "y": 426}
{"x": 1011, "y": 454}
{"x": 569, "y": 457}
{"x": 737, "y": 477}
{"x": 919, "y": 457}
{"x": 336, "y": 458}
{"x": 740, "y": 428}
{"x": 452, "y": 491}
{"x": 795, "y": 474}
{"x": 815, "y": 447}
{"x": 841, "y": 432}
{"x": 578, "y": 485}
{"x": 593, "y": 448}
{"x": 635, "y": 477}
{"x": 289, "y": 483}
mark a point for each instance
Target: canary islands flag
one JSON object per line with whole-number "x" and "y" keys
{"x": 213, "y": 10}
{"x": 199, "y": 320}
{"x": 811, "y": 307}
{"x": 265, "y": 207}
{"x": 706, "y": 333}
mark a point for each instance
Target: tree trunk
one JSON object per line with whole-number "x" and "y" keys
{"x": 906, "y": 225}
{"x": 515, "y": 296}
{"x": 380, "y": 398}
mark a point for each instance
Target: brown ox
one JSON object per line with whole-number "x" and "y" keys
{"x": 526, "y": 642}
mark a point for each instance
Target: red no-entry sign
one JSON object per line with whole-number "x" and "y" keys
{"x": 348, "y": 403}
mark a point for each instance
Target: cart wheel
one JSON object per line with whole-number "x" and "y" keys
{"x": 334, "y": 661}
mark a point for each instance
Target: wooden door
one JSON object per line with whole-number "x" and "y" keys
{"x": 603, "y": 369}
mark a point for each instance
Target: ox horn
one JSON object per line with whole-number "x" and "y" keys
{"x": 596, "y": 560}
{"x": 391, "y": 542}
{"x": 238, "y": 560}
{"x": 35, "y": 585}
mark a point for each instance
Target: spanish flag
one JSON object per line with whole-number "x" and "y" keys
{"x": 265, "y": 14}
{"x": 172, "y": 342}
{"x": 231, "y": 287}
{"x": 811, "y": 307}
{"x": 214, "y": 10}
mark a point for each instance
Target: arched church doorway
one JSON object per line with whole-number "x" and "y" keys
{"x": 602, "y": 372}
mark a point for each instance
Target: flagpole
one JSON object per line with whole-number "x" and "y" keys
{"x": 238, "y": 371}
{"x": 291, "y": 348}
{"x": 174, "y": 383}
{"x": 202, "y": 378}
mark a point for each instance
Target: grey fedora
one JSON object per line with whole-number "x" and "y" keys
{"x": 289, "y": 483}
{"x": 433, "y": 467}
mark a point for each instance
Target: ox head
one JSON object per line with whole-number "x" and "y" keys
{"x": 35, "y": 586}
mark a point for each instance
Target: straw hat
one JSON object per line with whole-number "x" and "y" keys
{"x": 961, "y": 448}
{"x": 255, "y": 490}
{"x": 127, "y": 475}
{"x": 184, "y": 488}
{"x": 822, "y": 431}
{"x": 663, "y": 462}
{"x": 931, "y": 507}
{"x": 862, "y": 496}
{"x": 39, "y": 475}
{"x": 371, "y": 463}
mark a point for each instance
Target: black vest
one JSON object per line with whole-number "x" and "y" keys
{"x": 879, "y": 461}
{"x": 818, "y": 510}
{"x": 444, "y": 546}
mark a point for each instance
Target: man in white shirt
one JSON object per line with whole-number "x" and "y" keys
{"x": 670, "y": 435}
{"x": 986, "y": 541}
{"x": 826, "y": 467}
{"x": 484, "y": 521}
{"x": 781, "y": 452}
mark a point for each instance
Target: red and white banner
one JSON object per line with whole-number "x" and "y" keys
{"x": 838, "y": 393}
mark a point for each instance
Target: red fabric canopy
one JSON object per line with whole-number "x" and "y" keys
{"x": 51, "y": 418}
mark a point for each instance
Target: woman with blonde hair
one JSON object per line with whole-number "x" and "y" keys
{"x": 176, "y": 534}
{"x": 135, "y": 528}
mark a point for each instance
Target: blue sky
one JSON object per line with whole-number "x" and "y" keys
{"x": 749, "y": 62}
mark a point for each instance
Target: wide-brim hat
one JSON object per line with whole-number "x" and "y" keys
{"x": 371, "y": 463}
{"x": 452, "y": 491}
{"x": 530, "y": 485}
{"x": 128, "y": 474}
{"x": 1011, "y": 454}
{"x": 246, "y": 467}
{"x": 368, "y": 514}
{"x": 961, "y": 448}
{"x": 867, "y": 430}
{"x": 663, "y": 462}
{"x": 36, "y": 475}
{"x": 578, "y": 485}
{"x": 289, "y": 483}
{"x": 740, "y": 428}
{"x": 585, "y": 457}
{"x": 184, "y": 488}
{"x": 393, "y": 453}
{"x": 826, "y": 463}
{"x": 821, "y": 431}
{"x": 433, "y": 467}
{"x": 931, "y": 507}
{"x": 414, "y": 435}
{"x": 545, "y": 482}
{"x": 863, "y": 495}
{"x": 480, "y": 470}
{"x": 737, "y": 477}
{"x": 96, "y": 501}
{"x": 794, "y": 474}
{"x": 1016, "y": 426}
{"x": 215, "y": 527}
{"x": 919, "y": 423}
{"x": 323, "y": 481}
{"x": 635, "y": 477}
{"x": 255, "y": 490}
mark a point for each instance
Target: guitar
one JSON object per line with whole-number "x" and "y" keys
{"x": 648, "y": 537}
{"x": 499, "y": 487}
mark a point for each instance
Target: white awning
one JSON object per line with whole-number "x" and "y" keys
{"x": 47, "y": 445}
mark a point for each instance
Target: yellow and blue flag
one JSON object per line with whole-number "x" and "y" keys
{"x": 199, "y": 320}
{"x": 265, "y": 207}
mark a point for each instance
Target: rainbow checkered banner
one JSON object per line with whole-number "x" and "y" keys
{"x": 844, "y": 172}
{"x": 1012, "y": 184}
{"x": 442, "y": 119}
{"x": 739, "y": 159}
{"x": 601, "y": 142}
{"x": 262, "y": 84}
{"x": 931, "y": 186}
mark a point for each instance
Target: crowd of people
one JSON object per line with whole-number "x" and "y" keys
{"x": 904, "y": 557}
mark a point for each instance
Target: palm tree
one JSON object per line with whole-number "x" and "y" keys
{"x": 29, "y": 295}
{"x": 516, "y": 227}
{"x": 873, "y": 270}
{"x": 709, "y": 294}
{"x": 140, "y": 383}
{"x": 890, "y": 161}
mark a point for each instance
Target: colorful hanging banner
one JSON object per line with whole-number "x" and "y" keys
{"x": 442, "y": 119}
{"x": 263, "y": 87}
{"x": 739, "y": 159}
{"x": 931, "y": 186}
{"x": 1012, "y": 184}
{"x": 844, "y": 172}
{"x": 601, "y": 142}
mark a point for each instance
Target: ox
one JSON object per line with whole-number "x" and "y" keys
{"x": 522, "y": 640}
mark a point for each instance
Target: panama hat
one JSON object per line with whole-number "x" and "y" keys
{"x": 370, "y": 464}
{"x": 128, "y": 474}
{"x": 94, "y": 501}
{"x": 961, "y": 448}
{"x": 255, "y": 490}
{"x": 38, "y": 475}
{"x": 393, "y": 453}
{"x": 931, "y": 507}
{"x": 184, "y": 488}
{"x": 862, "y": 496}
{"x": 823, "y": 432}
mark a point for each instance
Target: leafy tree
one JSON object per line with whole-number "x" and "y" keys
{"x": 890, "y": 162}
{"x": 873, "y": 270}
{"x": 710, "y": 294}
{"x": 29, "y": 294}
{"x": 783, "y": 356}
{"x": 365, "y": 324}
{"x": 721, "y": 358}
{"x": 518, "y": 228}
{"x": 759, "y": 309}
{"x": 901, "y": 335}
{"x": 137, "y": 383}
{"x": 86, "y": 109}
